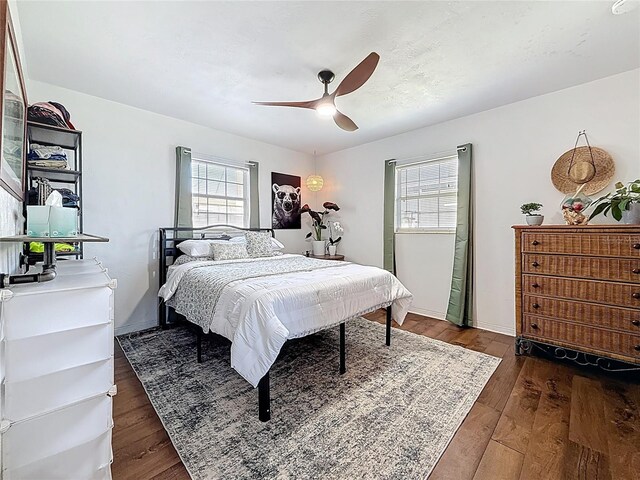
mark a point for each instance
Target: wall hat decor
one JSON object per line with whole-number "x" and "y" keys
{"x": 591, "y": 168}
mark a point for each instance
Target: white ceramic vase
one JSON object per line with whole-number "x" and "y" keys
{"x": 333, "y": 249}
{"x": 318, "y": 247}
{"x": 534, "y": 219}
{"x": 632, "y": 216}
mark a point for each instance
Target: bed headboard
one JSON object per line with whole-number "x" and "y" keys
{"x": 170, "y": 237}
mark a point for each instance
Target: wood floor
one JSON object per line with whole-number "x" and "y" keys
{"x": 535, "y": 419}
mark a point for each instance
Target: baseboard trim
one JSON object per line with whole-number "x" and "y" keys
{"x": 496, "y": 328}
{"x": 134, "y": 327}
{"x": 428, "y": 313}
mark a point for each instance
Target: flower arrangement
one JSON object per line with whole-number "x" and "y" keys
{"x": 335, "y": 226}
{"x": 318, "y": 218}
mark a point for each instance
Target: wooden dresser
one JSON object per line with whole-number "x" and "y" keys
{"x": 578, "y": 287}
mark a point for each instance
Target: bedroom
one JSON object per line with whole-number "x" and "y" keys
{"x": 487, "y": 96}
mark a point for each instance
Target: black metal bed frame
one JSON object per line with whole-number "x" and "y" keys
{"x": 168, "y": 240}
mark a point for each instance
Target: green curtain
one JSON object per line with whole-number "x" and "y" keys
{"x": 254, "y": 207}
{"x": 460, "y": 308}
{"x": 183, "y": 188}
{"x": 389, "y": 215}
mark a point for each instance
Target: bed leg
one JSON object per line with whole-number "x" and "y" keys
{"x": 343, "y": 363}
{"x": 162, "y": 314}
{"x": 389, "y": 325}
{"x": 199, "y": 344}
{"x": 264, "y": 399}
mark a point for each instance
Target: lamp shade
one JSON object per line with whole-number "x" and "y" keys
{"x": 315, "y": 183}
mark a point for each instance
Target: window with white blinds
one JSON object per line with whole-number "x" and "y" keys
{"x": 220, "y": 194}
{"x": 426, "y": 195}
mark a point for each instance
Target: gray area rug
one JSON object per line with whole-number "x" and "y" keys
{"x": 390, "y": 416}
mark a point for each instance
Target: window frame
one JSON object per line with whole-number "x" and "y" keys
{"x": 246, "y": 200}
{"x": 398, "y": 198}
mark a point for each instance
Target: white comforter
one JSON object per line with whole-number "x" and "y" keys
{"x": 259, "y": 314}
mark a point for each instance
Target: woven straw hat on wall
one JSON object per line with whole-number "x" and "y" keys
{"x": 591, "y": 166}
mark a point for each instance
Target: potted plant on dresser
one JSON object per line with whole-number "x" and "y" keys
{"x": 623, "y": 203}
{"x": 529, "y": 209}
{"x": 318, "y": 225}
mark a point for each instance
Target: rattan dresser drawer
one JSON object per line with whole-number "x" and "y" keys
{"x": 600, "y": 268}
{"x": 572, "y": 334}
{"x": 593, "y": 291}
{"x": 591, "y": 244}
{"x": 590, "y": 314}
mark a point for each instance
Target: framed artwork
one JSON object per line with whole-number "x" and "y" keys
{"x": 13, "y": 104}
{"x": 285, "y": 197}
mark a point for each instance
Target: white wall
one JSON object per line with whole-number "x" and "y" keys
{"x": 514, "y": 148}
{"x": 129, "y": 185}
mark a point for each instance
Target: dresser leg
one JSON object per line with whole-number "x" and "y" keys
{"x": 518, "y": 346}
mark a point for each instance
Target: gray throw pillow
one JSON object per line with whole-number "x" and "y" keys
{"x": 259, "y": 244}
{"x": 228, "y": 251}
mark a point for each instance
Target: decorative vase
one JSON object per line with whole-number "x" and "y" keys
{"x": 318, "y": 247}
{"x": 333, "y": 249}
{"x": 534, "y": 219}
{"x": 632, "y": 215}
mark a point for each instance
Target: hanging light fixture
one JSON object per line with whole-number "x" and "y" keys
{"x": 315, "y": 181}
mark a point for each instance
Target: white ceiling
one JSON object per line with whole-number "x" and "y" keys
{"x": 206, "y": 61}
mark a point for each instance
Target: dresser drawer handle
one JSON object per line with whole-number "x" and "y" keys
{"x": 635, "y": 295}
{"x": 535, "y": 285}
{"x": 534, "y": 326}
{"x": 637, "y": 348}
{"x": 535, "y": 242}
{"x": 635, "y": 323}
{"x": 535, "y": 305}
{"x": 636, "y": 246}
{"x": 535, "y": 264}
{"x": 636, "y": 271}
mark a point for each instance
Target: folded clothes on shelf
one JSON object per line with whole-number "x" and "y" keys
{"x": 45, "y": 152}
{"x": 57, "y": 164}
{"x": 69, "y": 199}
{"x": 38, "y": 247}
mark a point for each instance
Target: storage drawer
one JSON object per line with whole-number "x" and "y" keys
{"x": 594, "y": 244}
{"x": 624, "y": 319}
{"x": 618, "y": 269}
{"x": 582, "y": 336}
{"x": 34, "y": 441}
{"x": 594, "y": 291}
{"x": 34, "y": 357}
{"x": 49, "y": 392}
{"x": 90, "y": 461}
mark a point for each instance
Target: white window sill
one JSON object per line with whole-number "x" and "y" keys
{"x": 428, "y": 232}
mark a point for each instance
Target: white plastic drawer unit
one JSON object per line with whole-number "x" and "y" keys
{"x": 56, "y": 369}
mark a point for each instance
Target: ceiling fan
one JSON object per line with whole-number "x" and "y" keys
{"x": 326, "y": 105}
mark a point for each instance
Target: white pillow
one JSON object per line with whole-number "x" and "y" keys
{"x": 198, "y": 248}
{"x": 230, "y": 251}
{"x": 277, "y": 245}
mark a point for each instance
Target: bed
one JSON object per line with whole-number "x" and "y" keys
{"x": 260, "y": 303}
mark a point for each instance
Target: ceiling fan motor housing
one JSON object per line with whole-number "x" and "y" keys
{"x": 326, "y": 76}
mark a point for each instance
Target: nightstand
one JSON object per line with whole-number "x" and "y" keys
{"x": 328, "y": 257}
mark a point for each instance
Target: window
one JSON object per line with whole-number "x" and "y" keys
{"x": 426, "y": 195}
{"x": 220, "y": 194}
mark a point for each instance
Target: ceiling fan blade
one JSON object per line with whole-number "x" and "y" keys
{"x": 359, "y": 75}
{"x": 344, "y": 122}
{"x": 309, "y": 104}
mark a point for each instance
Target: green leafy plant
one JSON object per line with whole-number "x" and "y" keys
{"x": 529, "y": 208}
{"x": 318, "y": 218}
{"x": 617, "y": 201}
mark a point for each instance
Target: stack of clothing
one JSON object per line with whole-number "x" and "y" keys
{"x": 45, "y": 156}
{"x": 69, "y": 199}
{"x": 50, "y": 113}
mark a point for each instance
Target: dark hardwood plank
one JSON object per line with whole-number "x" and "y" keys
{"x": 496, "y": 392}
{"x": 545, "y": 455}
{"x": 499, "y": 463}
{"x": 514, "y": 428}
{"x": 587, "y": 424}
{"x": 583, "y": 463}
{"x": 462, "y": 457}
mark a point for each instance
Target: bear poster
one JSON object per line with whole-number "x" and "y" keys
{"x": 285, "y": 194}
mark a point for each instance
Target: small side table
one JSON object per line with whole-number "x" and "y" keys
{"x": 328, "y": 257}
